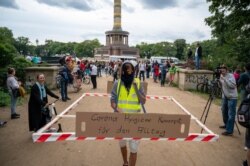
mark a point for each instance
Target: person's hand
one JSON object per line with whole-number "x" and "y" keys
{"x": 118, "y": 110}
{"x": 222, "y": 78}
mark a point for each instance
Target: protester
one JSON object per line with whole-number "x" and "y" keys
{"x": 247, "y": 138}
{"x": 62, "y": 60}
{"x": 243, "y": 81}
{"x": 93, "y": 75}
{"x": 106, "y": 69}
{"x": 37, "y": 102}
{"x": 137, "y": 70}
{"x": 156, "y": 72}
{"x": 124, "y": 90}
{"x": 65, "y": 80}
{"x": 142, "y": 69}
{"x": 148, "y": 69}
{"x": 163, "y": 73}
{"x": 82, "y": 66}
{"x": 116, "y": 70}
{"x": 229, "y": 100}
{"x": 99, "y": 69}
{"x": 237, "y": 74}
{"x": 189, "y": 54}
{"x": 189, "y": 57}
{"x": 13, "y": 88}
{"x": 172, "y": 71}
{"x": 198, "y": 56}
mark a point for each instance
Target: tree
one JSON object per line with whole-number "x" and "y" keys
{"x": 22, "y": 45}
{"x": 7, "y": 50}
{"x": 230, "y": 23}
{"x": 7, "y": 53}
{"x": 180, "y": 45}
{"x": 86, "y": 48}
{"x": 145, "y": 50}
{"x": 6, "y": 35}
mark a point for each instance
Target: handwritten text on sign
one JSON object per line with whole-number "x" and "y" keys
{"x": 97, "y": 124}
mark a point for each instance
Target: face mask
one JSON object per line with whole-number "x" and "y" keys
{"x": 127, "y": 75}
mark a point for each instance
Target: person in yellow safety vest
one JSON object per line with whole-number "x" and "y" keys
{"x": 125, "y": 99}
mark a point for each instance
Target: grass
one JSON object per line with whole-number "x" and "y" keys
{"x": 206, "y": 96}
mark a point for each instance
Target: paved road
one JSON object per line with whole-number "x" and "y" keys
{"x": 17, "y": 148}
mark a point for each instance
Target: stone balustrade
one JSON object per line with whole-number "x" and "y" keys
{"x": 185, "y": 79}
{"x": 50, "y": 73}
{"x": 188, "y": 79}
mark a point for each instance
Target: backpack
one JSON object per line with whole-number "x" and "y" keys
{"x": 243, "y": 114}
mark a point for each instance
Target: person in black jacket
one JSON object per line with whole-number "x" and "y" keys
{"x": 198, "y": 56}
{"x": 66, "y": 78}
{"x": 37, "y": 102}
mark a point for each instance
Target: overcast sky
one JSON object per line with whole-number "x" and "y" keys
{"x": 78, "y": 20}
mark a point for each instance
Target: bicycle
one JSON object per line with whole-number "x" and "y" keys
{"x": 203, "y": 87}
{"x": 58, "y": 81}
{"x": 76, "y": 84}
{"x": 207, "y": 86}
{"x": 52, "y": 112}
{"x": 85, "y": 79}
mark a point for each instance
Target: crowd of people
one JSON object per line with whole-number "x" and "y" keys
{"x": 124, "y": 75}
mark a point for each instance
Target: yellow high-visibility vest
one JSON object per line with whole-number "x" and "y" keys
{"x": 128, "y": 102}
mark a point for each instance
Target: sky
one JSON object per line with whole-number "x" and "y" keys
{"x": 148, "y": 21}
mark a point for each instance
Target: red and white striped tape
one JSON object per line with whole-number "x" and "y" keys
{"x": 148, "y": 96}
{"x": 52, "y": 137}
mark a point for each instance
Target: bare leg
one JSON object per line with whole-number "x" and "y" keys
{"x": 124, "y": 155}
{"x": 132, "y": 159}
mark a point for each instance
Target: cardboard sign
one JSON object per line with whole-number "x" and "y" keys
{"x": 150, "y": 125}
{"x": 110, "y": 86}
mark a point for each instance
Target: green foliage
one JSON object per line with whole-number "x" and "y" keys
{"x": 22, "y": 45}
{"x": 145, "y": 50}
{"x": 3, "y": 78}
{"x": 20, "y": 64}
{"x": 4, "y": 98}
{"x": 180, "y": 45}
{"x": 7, "y": 50}
{"x": 86, "y": 48}
{"x": 7, "y": 53}
{"x": 156, "y": 49}
{"x": 6, "y": 35}
{"x": 230, "y": 25}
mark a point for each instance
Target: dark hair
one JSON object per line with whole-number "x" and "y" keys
{"x": 224, "y": 67}
{"x": 11, "y": 70}
{"x": 38, "y": 75}
{"x": 247, "y": 67}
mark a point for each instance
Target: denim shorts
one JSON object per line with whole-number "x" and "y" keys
{"x": 133, "y": 145}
